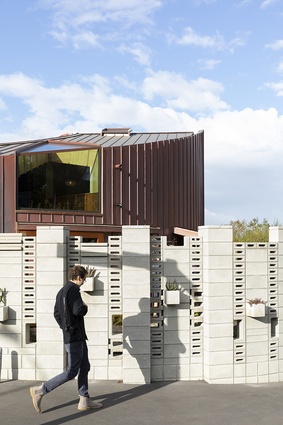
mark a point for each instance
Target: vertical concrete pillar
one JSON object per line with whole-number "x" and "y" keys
{"x": 276, "y": 236}
{"x": 51, "y": 274}
{"x": 218, "y": 303}
{"x": 11, "y": 340}
{"x": 136, "y": 304}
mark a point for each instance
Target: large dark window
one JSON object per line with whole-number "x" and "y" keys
{"x": 61, "y": 180}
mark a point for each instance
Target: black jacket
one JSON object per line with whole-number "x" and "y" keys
{"x": 76, "y": 310}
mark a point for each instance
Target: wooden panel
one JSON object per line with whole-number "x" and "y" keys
{"x": 22, "y": 217}
{"x": 46, "y": 218}
{"x": 69, "y": 219}
{"x": 35, "y": 217}
{"x": 79, "y": 219}
{"x": 58, "y": 218}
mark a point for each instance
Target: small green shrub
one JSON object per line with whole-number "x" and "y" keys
{"x": 2, "y": 295}
{"x": 256, "y": 301}
{"x": 172, "y": 286}
{"x": 90, "y": 271}
{"x": 251, "y": 231}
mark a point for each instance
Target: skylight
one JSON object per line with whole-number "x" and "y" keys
{"x": 50, "y": 147}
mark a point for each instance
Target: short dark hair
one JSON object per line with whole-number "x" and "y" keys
{"x": 77, "y": 271}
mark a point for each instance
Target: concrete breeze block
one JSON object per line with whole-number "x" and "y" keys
{"x": 211, "y": 265}
{"x": 216, "y": 233}
{"x": 135, "y": 233}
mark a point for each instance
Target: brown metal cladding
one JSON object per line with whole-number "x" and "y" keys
{"x": 8, "y": 209}
{"x": 1, "y": 194}
{"x": 158, "y": 183}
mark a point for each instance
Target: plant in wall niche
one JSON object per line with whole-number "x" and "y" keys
{"x": 90, "y": 271}
{"x": 172, "y": 286}
{"x": 256, "y": 307}
{"x": 88, "y": 286}
{"x": 4, "y": 310}
{"x": 2, "y": 295}
{"x": 256, "y": 301}
{"x": 172, "y": 293}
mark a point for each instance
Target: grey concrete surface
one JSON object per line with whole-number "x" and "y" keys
{"x": 164, "y": 403}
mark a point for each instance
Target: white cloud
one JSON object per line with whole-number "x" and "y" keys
{"x": 70, "y": 17}
{"x": 276, "y": 87}
{"x": 190, "y": 37}
{"x": 209, "y": 64}
{"x": 86, "y": 38}
{"x": 86, "y": 106}
{"x": 199, "y": 2}
{"x": 140, "y": 52}
{"x": 244, "y": 3}
{"x": 216, "y": 42}
{"x": 247, "y": 138}
{"x": 176, "y": 92}
{"x": 244, "y": 138}
{"x": 276, "y": 45}
{"x": 267, "y": 3}
{"x": 243, "y": 149}
{"x": 2, "y": 105}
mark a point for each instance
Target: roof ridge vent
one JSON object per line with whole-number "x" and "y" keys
{"x": 116, "y": 131}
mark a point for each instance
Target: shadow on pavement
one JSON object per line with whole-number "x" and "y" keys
{"x": 108, "y": 400}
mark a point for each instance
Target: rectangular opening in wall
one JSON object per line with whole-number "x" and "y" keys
{"x": 30, "y": 333}
{"x": 236, "y": 329}
{"x": 117, "y": 349}
{"x": 117, "y": 324}
{"x": 274, "y": 326}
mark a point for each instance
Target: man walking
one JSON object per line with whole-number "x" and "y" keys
{"x": 69, "y": 312}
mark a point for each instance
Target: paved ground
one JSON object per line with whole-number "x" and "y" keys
{"x": 172, "y": 403}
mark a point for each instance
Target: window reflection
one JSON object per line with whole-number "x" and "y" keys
{"x": 59, "y": 180}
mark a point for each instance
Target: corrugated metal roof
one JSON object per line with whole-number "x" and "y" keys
{"x": 107, "y": 138}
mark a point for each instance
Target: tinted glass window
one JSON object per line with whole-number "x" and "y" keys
{"x": 59, "y": 180}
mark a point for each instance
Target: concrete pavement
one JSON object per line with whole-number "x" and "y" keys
{"x": 164, "y": 403}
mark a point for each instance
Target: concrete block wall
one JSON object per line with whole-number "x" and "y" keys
{"x": 176, "y": 330}
{"x": 136, "y": 304}
{"x": 97, "y": 320}
{"x": 207, "y": 336}
{"x": 176, "y": 317}
{"x": 13, "y": 356}
{"x": 276, "y": 303}
{"x": 257, "y": 331}
{"x": 51, "y": 268}
{"x": 218, "y": 303}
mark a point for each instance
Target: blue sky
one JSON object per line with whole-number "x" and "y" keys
{"x": 72, "y": 66}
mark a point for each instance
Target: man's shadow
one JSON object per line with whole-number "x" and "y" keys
{"x": 136, "y": 337}
{"x": 142, "y": 350}
{"x": 110, "y": 399}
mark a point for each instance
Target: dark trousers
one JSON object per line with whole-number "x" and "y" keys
{"x": 78, "y": 364}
